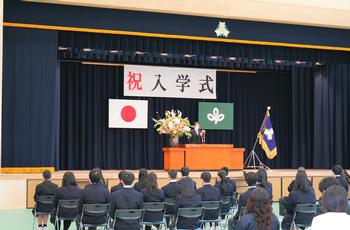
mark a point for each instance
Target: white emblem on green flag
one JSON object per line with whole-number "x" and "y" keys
{"x": 213, "y": 115}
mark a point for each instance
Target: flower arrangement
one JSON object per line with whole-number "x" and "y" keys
{"x": 173, "y": 124}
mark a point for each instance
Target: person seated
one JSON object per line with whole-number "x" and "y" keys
{"x": 228, "y": 178}
{"x": 102, "y": 179}
{"x": 223, "y": 184}
{"x": 302, "y": 193}
{"x": 322, "y": 186}
{"x": 291, "y": 185}
{"x": 250, "y": 179}
{"x": 172, "y": 189}
{"x": 151, "y": 193}
{"x": 46, "y": 188}
{"x": 339, "y": 174}
{"x": 142, "y": 178}
{"x": 188, "y": 198}
{"x": 334, "y": 205}
{"x": 185, "y": 172}
{"x": 261, "y": 176}
{"x": 68, "y": 191}
{"x": 258, "y": 213}
{"x": 95, "y": 193}
{"x": 120, "y": 185}
{"x": 126, "y": 198}
{"x": 208, "y": 193}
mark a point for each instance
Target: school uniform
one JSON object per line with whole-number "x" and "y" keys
{"x": 138, "y": 186}
{"x": 117, "y": 187}
{"x": 171, "y": 190}
{"x": 267, "y": 187}
{"x": 93, "y": 194}
{"x": 195, "y": 137}
{"x": 243, "y": 200}
{"x": 343, "y": 182}
{"x": 209, "y": 193}
{"x": 180, "y": 182}
{"x": 46, "y": 188}
{"x": 247, "y": 222}
{"x": 125, "y": 198}
{"x": 158, "y": 196}
{"x": 291, "y": 185}
{"x": 187, "y": 202}
{"x": 230, "y": 188}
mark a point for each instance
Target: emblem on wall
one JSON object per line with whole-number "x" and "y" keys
{"x": 221, "y": 30}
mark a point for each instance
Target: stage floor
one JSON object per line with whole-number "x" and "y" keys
{"x": 17, "y": 190}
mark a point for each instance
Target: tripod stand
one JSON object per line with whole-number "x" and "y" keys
{"x": 253, "y": 161}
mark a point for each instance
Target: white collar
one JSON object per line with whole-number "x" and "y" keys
{"x": 206, "y": 184}
{"x": 172, "y": 181}
{"x": 337, "y": 176}
{"x": 127, "y": 186}
{"x": 249, "y": 187}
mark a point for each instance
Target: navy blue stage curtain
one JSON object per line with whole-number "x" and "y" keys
{"x": 332, "y": 112}
{"x": 86, "y": 141}
{"x": 30, "y": 89}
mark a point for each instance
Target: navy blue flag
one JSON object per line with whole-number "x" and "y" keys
{"x": 267, "y": 138}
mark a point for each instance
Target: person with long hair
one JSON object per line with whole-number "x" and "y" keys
{"x": 223, "y": 184}
{"x": 188, "y": 198}
{"x": 151, "y": 193}
{"x": 339, "y": 174}
{"x": 302, "y": 193}
{"x": 142, "y": 180}
{"x": 68, "y": 191}
{"x": 299, "y": 170}
{"x": 334, "y": 206}
{"x": 258, "y": 213}
{"x": 261, "y": 176}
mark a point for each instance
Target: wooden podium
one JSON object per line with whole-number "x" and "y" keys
{"x": 203, "y": 157}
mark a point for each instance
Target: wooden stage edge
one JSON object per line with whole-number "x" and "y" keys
{"x": 17, "y": 190}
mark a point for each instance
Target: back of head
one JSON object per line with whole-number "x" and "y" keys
{"x": 128, "y": 178}
{"x": 225, "y": 169}
{"x": 185, "y": 171}
{"x": 69, "y": 179}
{"x": 301, "y": 182}
{"x": 261, "y": 176}
{"x": 120, "y": 174}
{"x": 250, "y": 178}
{"x": 101, "y": 175}
{"x": 259, "y": 205}
{"x": 337, "y": 170}
{"x": 95, "y": 176}
{"x": 206, "y": 176}
{"x": 172, "y": 174}
{"x": 326, "y": 183}
{"x": 143, "y": 174}
{"x": 334, "y": 199}
{"x": 187, "y": 187}
{"x": 47, "y": 174}
{"x": 151, "y": 183}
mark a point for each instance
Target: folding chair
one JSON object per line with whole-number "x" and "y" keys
{"x": 234, "y": 204}
{"x": 170, "y": 209}
{"x": 190, "y": 213}
{"x": 154, "y": 207}
{"x": 44, "y": 201}
{"x": 212, "y": 211}
{"x": 226, "y": 204}
{"x": 71, "y": 206}
{"x": 98, "y": 210}
{"x": 128, "y": 215}
{"x": 308, "y": 210}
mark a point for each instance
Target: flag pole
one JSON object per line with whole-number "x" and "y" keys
{"x": 252, "y": 159}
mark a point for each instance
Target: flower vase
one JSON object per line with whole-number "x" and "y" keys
{"x": 173, "y": 141}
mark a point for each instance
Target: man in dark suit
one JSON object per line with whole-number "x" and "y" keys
{"x": 185, "y": 172}
{"x": 126, "y": 198}
{"x": 195, "y": 134}
{"x": 173, "y": 189}
{"x": 94, "y": 194}
{"x": 209, "y": 193}
{"x": 120, "y": 185}
{"x": 46, "y": 188}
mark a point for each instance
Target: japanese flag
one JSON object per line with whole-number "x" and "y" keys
{"x": 128, "y": 114}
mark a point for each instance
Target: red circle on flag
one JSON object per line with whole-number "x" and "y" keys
{"x": 128, "y": 113}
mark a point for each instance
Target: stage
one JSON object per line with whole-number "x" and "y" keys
{"x": 17, "y": 190}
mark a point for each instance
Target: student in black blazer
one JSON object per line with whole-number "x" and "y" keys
{"x": 224, "y": 185}
{"x": 258, "y": 214}
{"x": 339, "y": 174}
{"x": 250, "y": 179}
{"x": 142, "y": 178}
{"x": 227, "y": 176}
{"x": 195, "y": 134}
{"x": 68, "y": 191}
{"x": 120, "y": 185}
{"x": 171, "y": 190}
{"x": 185, "y": 172}
{"x": 291, "y": 185}
{"x": 209, "y": 193}
{"x": 189, "y": 198}
{"x": 261, "y": 176}
{"x": 46, "y": 188}
{"x": 94, "y": 194}
{"x": 102, "y": 182}
{"x": 302, "y": 193}
{"x": 151, "y": 193}
{"x": 126, "y": 198}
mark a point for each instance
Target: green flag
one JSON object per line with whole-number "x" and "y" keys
{"x": 213, "y": 115}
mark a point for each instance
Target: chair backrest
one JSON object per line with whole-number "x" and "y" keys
{"x": 226, "y": 200}
{"x": 154, "y": 206}
{"x": 129, "y": 214}
{"x": 191, "y": 212}
{"x": 306, "y": 208}
{"x": 170, "y": 201}
{"x": 307, "y": 211}
{"x": 96, "y": 208}
{"x": 211, "y": 205}
{"x": 45, "y": 199}
{"x": 68, "y": 204}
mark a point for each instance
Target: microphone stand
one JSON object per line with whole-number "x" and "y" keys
{"x": 253, "y": 161}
